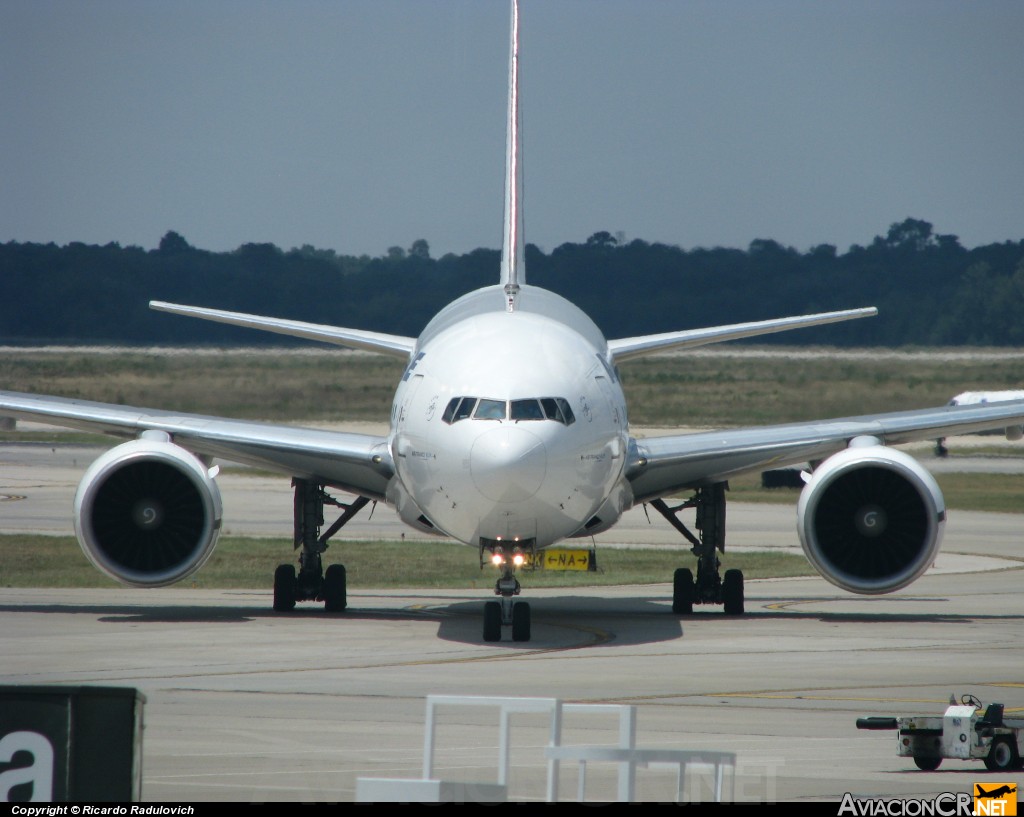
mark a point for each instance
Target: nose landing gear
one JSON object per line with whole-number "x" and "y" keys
{"x": 507, "y": 612}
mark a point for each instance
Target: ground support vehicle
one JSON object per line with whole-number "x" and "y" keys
{"x": 963, "y": 732}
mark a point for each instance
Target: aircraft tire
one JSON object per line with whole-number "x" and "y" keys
{"x": 284, "y": 588}
{"x": 521, "y": 621}
{"x": 732, "y": 592}
{"x": 492, "y": 621}
{"x": 335, "y": 591}
{"x": 683, "y": 592}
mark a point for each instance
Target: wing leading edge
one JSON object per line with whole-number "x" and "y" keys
{"x": 630, "y": 348}
{"x": 661, "y": 465}
{"x": 393, "y": 345}
{"x": 360, "y": 463}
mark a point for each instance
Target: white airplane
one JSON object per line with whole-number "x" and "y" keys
{"x": 509, "y": 433}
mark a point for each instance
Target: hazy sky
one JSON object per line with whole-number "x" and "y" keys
{"x": 356, "y": 125}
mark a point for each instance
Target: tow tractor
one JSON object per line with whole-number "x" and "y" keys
{"x": 962, "y": 733}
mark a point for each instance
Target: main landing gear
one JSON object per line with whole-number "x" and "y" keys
{"x": 507, "y": 612}
{"x": 708, "y": 587}
{"x": 311, "y": 583}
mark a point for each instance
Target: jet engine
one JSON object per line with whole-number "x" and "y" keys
{"x": 148, "y": 512}
{"x": 870, "y": 519}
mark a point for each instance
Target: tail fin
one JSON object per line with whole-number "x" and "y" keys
{"x": 513, "y": 260}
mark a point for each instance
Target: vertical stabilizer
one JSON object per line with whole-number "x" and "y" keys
{"x": 513, "y": 262}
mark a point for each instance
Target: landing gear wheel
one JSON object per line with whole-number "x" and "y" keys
{"x": 683, "y": 592}
{"x": 284, "y": 588}
{"x": 492, "y": 621}
{"x": 1003, "y": 757}
{"x": 521, "y": 621}
{"x": 927, "y": 763}
{"x": 732, "y": 592}
{"x": 334, "y": 590}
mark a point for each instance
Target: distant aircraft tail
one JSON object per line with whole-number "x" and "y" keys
{"x": 513, "y": 260}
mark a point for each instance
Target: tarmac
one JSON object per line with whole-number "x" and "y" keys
{"x": 246, "y": 705}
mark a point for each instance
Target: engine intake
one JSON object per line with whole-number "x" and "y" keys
{"x": 147, "y": 513}
{"x": 871, "y": 519}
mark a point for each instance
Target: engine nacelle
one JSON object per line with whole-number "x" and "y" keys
{"x": 870, "y": 519}
{"x": 147, "y": 513}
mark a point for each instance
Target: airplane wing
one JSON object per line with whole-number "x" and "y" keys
{"x": 642, "y": 345}
{"x": 359, "y": 463}
{"x": 393, "y": 345}
{"x": 659, "y": 466}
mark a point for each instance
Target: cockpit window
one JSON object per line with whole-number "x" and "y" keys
{"x": 533, "y": 408}
{"x": 526, "y": 410}
{"x": 458, "y": 408}
{"x": 449, "y": 410}
{"x": 557, "y": 408}
{"x": 490, "y": 410}
{"x": 465, "y": 408}
{"x": 563, "y": 404}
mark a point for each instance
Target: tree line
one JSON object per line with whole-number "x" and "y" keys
{"x": 929, "y": 289}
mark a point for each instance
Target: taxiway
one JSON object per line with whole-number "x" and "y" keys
{"x": 246, "y": 705}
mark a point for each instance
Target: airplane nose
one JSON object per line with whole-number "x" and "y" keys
{"x": 508, "y": 464}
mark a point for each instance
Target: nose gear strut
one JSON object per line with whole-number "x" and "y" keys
{"x": 507, "y": 612}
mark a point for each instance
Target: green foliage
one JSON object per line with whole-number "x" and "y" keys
{"x": 929, "y": 289}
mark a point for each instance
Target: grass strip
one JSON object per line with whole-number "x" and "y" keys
{"x": 248, "y": 562}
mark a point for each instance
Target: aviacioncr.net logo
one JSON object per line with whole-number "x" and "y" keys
{"x": 947, "y": 804}
{"x": 999, "y": 799}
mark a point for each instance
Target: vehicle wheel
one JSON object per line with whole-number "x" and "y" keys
{"x": 284, "y": 588}
{"x": 683, "y": 592}
{"x": 927, "y": 763}
{"x": 492, "y": 621}
{"x": 732, "y": 592}
{"x": 521, "y": 621}
{"x": 1003, "y": 757}
{"x": 335, "y": 592}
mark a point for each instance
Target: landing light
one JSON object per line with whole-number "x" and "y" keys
{"x": 497, "y": 559}
{"x": 518, "y": 559}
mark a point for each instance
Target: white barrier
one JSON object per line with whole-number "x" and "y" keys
{"x": 629, "y": 759}
{"x": 626, "y": 755}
